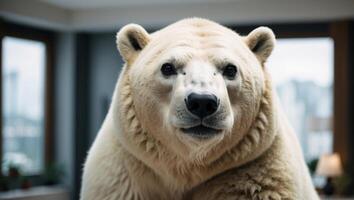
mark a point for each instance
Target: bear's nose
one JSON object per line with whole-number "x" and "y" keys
{"x": 202, "y": 105}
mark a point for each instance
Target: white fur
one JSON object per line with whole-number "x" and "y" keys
{"x": 140, "y": 152}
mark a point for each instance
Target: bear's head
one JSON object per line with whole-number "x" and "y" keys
{"x": 193, "y": 91}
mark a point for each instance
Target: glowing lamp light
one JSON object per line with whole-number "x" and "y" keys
{"x": 329, "y": 165}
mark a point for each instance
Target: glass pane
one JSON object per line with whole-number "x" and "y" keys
{"x": 302, "y": 72}
{"x": 23, "y": 104}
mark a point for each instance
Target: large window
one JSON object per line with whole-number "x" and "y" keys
{"x": 23, "y": 72}
{"x": 25, "y": 102}
{"x": 302, "y": 72}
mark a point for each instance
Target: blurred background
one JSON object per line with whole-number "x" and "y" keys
{"x": 59, "y": 65}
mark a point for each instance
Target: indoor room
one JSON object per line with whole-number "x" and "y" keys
{"x": 60, "y": 62}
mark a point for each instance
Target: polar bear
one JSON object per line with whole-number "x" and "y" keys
{"x": 194, "y": 116}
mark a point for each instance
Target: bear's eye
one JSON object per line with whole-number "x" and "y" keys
{"x": 230, "y": 71}
{"x": 168, "y": 69}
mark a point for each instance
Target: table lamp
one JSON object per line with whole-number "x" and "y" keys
{"x": 329, "y": 166}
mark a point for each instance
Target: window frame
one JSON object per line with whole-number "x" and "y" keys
{"x": 339, "y": 32}
{"x": 23, "y": 32}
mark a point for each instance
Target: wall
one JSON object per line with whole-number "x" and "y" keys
{"x": 350, "y": 166}
{"x": 105, "y": 64}
{"x": 64, "y": 104}
{"x": 86, "y": 70}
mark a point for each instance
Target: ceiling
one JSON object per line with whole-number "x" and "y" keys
{"x": 94, "y": 4}
{"x": 108, "y": 15}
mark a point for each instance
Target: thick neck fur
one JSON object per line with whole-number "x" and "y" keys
{"x": 174, "y": 171}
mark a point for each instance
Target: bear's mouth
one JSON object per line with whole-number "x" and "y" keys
{"x": 201, "y": 131}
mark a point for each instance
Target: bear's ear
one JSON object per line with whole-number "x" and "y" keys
{"x": 131, "y": 39}
{"x": 261, "y": 41}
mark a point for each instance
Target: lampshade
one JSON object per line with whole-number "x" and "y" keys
{"x": 329, "y": 165}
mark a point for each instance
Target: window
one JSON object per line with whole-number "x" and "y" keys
{"x": 23, "y": 99}
{"x": 25, "y": 102}
{"x": 302, "y": 72}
